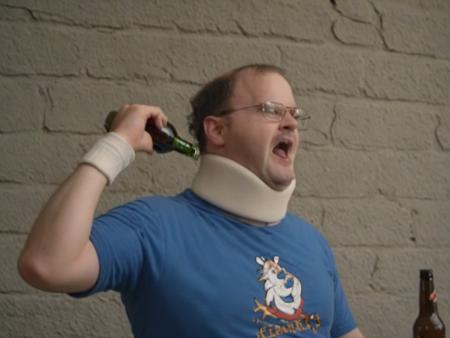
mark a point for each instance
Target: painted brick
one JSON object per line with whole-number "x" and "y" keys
{"x": 336, "y": 173}
{"x": 21, "y": 205}
{"x": 430, "y": 222}
{"x": 31, "y": 49}
{"x": 417, "y": 32}
{"x": 143, "y": 56}
{"x": 390, "y": 76}
{"x": 444, "y": 307}
{"x": 171, "y": 173}
{"x": 160, "y": 174}
{"x": 322, "y": 115}
{"x": 355, "y": 267}
{"x": 14, "y": 14}
{"x": 46, "y": 315}
{"x": 297, "y": 20}
{"x": 195, "y": 16}
{"x": 441, "y": 6}
{"x": 10, "y": 281}
{"x": 443, "y": 130}
{"x": 327, "y": 69}
{"x": 366, "y": 222}
{"x": 398, "y": 269}
{"x": 82, "y": 106}
{"x": 310, "y": 209}
{"x": 357, "y": 33}
{"x": 20, "y": 114}
{"x": 358, "y": 174}
{"x": 125, "y": 55}
{"x": 385, "y": 315}
{"x": 49, "y": 158}
{"x": 362, "y": 124}
{"x": 217, "y": 56}
{"x": 35, "y": 158}
{"x": 303, "y": 20}
{"x": 83, "y": 12}
{"x": 414, "y": 174}
{"x": 357, "y": 10}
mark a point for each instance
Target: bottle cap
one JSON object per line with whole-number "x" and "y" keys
{"x": 426, "y": 273}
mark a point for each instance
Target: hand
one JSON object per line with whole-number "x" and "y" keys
{"x": 130, "y": 124}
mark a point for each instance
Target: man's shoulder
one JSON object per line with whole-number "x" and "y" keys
{"x": 160, "y": 199}
{"x": 161, "y": 203}
{"x": 304, "y": 228}
{"x": 300, "y": 221}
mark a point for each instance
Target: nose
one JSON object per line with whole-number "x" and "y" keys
{"x": 288, "y": 121}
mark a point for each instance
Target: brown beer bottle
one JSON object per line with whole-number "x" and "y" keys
{"x": 428, "y": 324}
{"x": 165, "y": 139}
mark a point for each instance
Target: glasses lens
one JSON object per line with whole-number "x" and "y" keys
{"x": 276, "y": 111}
{"x": 273, "y": 110}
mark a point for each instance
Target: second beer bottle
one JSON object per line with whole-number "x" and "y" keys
{"x": 428, "y": 324}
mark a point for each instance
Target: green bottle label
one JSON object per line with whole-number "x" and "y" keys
{"x": 186, "y": 148}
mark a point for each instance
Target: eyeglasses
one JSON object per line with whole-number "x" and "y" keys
{"x": 276, "y": 111}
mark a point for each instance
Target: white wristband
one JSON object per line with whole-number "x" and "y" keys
{"x": 110, "y": 155}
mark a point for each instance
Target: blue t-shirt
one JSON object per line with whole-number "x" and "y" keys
{"x": 185, "y": 268}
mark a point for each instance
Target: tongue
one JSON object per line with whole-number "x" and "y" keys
{"x": 279, "y": 151}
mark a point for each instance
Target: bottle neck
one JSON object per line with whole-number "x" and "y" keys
{"x": 185, "y": 147}
{"x": 167, "y": 139}
{"x": 427, "y": 296}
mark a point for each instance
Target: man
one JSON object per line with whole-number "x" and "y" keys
{"x": 222, "y": 259}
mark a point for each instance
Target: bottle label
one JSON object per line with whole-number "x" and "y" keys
{"x": 433, "y": 296}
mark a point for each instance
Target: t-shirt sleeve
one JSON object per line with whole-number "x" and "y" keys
{"x": 125, "y": 238}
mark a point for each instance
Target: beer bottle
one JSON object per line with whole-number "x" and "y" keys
{"x": 428, "y": 324}
{"x": 165, "y": 139}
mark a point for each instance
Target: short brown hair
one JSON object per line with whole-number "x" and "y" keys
{"x": 214, "y": 97}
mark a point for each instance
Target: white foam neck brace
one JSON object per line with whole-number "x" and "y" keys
{"x": 237, "y": 190}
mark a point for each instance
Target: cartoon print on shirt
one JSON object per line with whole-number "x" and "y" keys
{"x": 283, "y": 303}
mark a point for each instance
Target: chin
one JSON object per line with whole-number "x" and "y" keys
{"x": 281, "y": 176}
{"x": 280, "y": 184}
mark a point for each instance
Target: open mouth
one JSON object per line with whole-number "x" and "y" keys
{"x": 282, "y": 148}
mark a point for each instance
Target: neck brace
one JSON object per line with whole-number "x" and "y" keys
{"x": 235, "y": 189}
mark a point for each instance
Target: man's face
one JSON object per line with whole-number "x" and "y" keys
{"x": 265, "y": 147}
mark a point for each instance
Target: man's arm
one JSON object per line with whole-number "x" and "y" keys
{"x": 58, "y": 255}
{"x": 355, "y": 333}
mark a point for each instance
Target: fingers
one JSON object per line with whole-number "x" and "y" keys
{"x": 160, "y": 119}
{"x": 147, "y": 112}
{"x": 130, "y": 123}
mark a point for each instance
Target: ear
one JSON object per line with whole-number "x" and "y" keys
{"x": 214, "y": 127}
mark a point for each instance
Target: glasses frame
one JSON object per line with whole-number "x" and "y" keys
{"x": 270, "y": 107}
